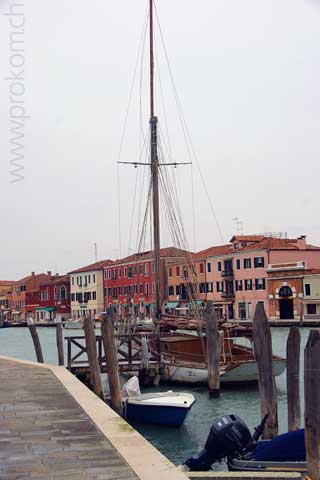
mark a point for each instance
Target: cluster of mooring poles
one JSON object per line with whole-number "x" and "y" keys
{"x": 267, "y": 386}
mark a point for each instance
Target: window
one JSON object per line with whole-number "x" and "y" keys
{"x": 238, "y": 263}
{"x": 94, "y": 278}
{"x": 153, "y": 287}
{"x": 311, "y": 308}
{"x": 178, "y": 271}
{"x": 258, "y": 262}
{"x": 80, "y": 281}
{"x": 130, "y": 272}
{"x": 119, "y": 290}
{"x": 202, "y": 288}
{"x": 85, "y": 280}
{"x": 63, "y": 293}
{"x": 114, "y": 274}
{"x": 178, "y": 290}
{"x": 109, "y": 273}
{"x": 147, "y": 269}
{"x": 201, "y": 268}
{"x": 247, "y": 263}
{"x": 152, "y": 267}
{"x": 72, "y": 280}
{"x": 44, "y": 295}
{"x": 219, "y": 286}
{"x": 219, "y": 266}
{"x": 185, "y": 272}
{"x": 209, "y": 287}
{"x": 105, "y": 292}
{"x": 307, "y": 289}
{"x": 109, "y": 292}
{"x": 72, "y": 297}
{"x": 119, "y": 272}
{"x": 114, "y": 292}
{"x": 147, "y": 288}
{"x": 170, "y": 272}
{"x": 135, "y": 288}
{"x": 125, "y": 274}
{"x": 248, "y": 284}
{"x": 135, "y": 271}
{"x": 260, "y": 284}
{"x": 125, "y": 289}
{"x": 89, "y": 278}
{"x": 171, "y": 290}
{"x": 94, "y": 295}
{"x": 141, "y": 288}
{"x": 238, "y": 285}
{"x": 140, "y": 269}
{"x": 209, "y": 267}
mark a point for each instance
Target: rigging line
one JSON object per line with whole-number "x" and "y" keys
{"x": 142, "y": 134}
{"x": 119, "y": 209}
{"x": 124, "y": 132}
{"x": 193, "y": 211}
{"x": 133, "y": 210}
{"x": 186, "y": 130}
{"x": 142, "y": 184}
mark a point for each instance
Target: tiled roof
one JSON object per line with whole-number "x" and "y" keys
{"x": 270, "y": 243}
{"x": 94, "y": 266}
{"x": 213, "y": 251}
{"x": 5, "y": 283}
{"x": 247, "y": 238}
{"x": 149, "y": 255}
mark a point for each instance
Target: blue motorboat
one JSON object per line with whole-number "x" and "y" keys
{"x": 166, "y": 408}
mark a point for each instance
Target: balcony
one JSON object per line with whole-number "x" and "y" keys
{"x": 227, "y": 273}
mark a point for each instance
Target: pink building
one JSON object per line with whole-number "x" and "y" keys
{"x": 235, "y": 275}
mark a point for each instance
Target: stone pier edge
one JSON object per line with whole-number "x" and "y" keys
{"x": 146, "y": 461}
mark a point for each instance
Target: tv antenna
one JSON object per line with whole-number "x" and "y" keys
{"x": 239, "y": 225}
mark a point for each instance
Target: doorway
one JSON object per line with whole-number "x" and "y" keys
{"x": 286, "y": 303}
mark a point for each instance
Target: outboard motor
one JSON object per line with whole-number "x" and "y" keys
{"x": 228, "y": 435}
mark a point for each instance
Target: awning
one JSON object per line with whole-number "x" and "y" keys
{"x": 171, "y": 304}
{"x": 16, "y": 313}
{"x": 50, "y": 309}
{"x": 40, "y": 308}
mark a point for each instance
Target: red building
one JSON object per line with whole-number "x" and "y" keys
{"x": 54, "y": 300}
{"x": 23, "y": 297}
{"x": 129, "y": 282}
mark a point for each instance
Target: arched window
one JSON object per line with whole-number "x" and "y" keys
{"x": 285, "y": 292}
{"x": 63, "y": 293}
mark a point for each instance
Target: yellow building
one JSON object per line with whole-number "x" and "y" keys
{"x": 311, "y": 295}
{"x": 86, "y": 287}
{"x": 5, "y": 289}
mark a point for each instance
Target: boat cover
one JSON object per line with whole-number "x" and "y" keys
{"x": 286, "y": 447}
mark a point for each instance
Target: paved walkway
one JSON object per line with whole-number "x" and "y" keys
{"x": 46, "y": 434}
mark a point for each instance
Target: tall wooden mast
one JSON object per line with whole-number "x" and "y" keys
{"x": 154, "y": 173}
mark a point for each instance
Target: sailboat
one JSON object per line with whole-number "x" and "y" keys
{"x": 184, "y": 356}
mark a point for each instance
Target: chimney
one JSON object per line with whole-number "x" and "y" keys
{"x": 33, "y": 274}
{"x": 49, "y": 274}
{"x": 301, "y": 242}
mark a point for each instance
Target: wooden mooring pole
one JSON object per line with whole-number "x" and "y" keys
{"x": 107, "y": 332}
{"x": 293, "y": 378}
{"x": 36, "y": 342}
{"x": 59, "y": 339}
{"x": 95, "y": 374}
{"x": 213, "y": 350}
{"x": 267, "y": 386}
{"x": 312, "y": 403}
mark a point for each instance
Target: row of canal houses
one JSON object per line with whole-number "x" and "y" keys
{"x": 281, "y": 273}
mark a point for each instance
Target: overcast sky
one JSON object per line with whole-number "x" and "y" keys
{"x": 248, "y": 76}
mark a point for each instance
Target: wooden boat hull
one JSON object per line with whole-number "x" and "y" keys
{"x": 246, "y": 372}
{"x": 156, "y": 415}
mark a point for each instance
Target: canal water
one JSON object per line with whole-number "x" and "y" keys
{"x": 177, "y": 444}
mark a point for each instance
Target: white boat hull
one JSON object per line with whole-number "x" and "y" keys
{"x": 246, "y": 372}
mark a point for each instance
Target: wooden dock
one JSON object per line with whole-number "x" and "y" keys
{"x": 53, "y": 427}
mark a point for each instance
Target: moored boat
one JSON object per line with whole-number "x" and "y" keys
{"x": 164, "y": 408}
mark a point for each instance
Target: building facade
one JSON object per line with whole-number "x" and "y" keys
{"x": 5, "y": 295}
{"x": 54, "y": 302}
{"x": 129, "y": 283}
{"x": 236, "y": 276}
{"x": 86, "y": 287}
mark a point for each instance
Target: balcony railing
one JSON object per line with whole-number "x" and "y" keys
{"x": 227, "y": 273}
